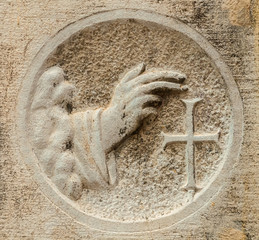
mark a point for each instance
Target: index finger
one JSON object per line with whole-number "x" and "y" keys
{"x": 170, "y": 76}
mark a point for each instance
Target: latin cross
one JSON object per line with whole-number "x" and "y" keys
{"x": 190, "y": 138}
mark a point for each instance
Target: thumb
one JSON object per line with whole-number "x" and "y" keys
{"x": 137, "y": 70}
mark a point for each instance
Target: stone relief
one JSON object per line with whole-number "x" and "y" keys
{"x": 190, "y": 138}
{"x": 122, "y": 146}
{"x": 72, "y": 148}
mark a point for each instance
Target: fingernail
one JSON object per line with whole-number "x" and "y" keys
{"x": 181, "y": 79}
{"x": 184, "y": 88}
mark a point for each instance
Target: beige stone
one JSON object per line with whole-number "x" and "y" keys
{"x": 128, "y": 124}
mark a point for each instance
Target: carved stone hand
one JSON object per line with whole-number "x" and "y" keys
{"x": 132, "y": 102}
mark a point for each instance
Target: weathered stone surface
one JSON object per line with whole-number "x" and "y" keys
{"x": 128, "y": 124}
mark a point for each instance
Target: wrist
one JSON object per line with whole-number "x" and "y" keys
{"x": 109, "y": 125}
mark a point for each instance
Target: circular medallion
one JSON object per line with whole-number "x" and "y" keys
{"x": 131, "y": 120}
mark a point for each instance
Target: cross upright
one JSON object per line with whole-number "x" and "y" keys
{"x": 190, "y": 138}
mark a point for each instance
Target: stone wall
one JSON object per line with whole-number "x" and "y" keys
{"x": 231, "y": 27}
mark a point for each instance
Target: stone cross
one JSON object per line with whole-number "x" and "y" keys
{"x": 190, "y": 138}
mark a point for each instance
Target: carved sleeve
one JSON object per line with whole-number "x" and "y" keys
{"x": 68, "y": 146}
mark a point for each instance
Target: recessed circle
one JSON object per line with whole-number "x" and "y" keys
{"x": 171, "y": 35}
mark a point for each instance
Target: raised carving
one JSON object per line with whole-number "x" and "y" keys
{"x": 73, "y": 148}
{"x": 190, "y": 138}
{"x": 71, "y": 114}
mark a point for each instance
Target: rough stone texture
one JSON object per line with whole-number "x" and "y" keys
{"x": 25, "y": 211}
{"x": 93, "y": 57}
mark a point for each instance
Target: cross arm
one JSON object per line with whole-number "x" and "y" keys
{"x": 172, "y": 138}
{"x": 212, "y": 137}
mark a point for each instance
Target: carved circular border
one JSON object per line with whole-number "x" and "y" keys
{"x": 68, "y": 206}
